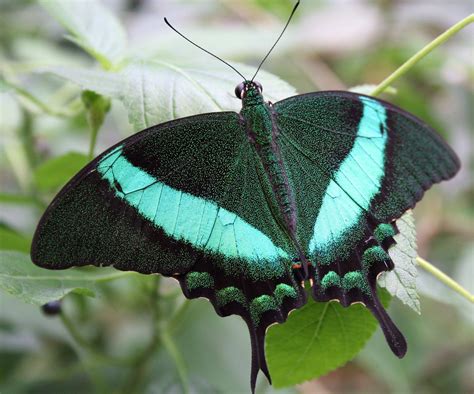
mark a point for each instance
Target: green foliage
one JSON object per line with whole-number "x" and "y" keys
{"x": 92, "y": 27}
{"x": 34, "y": 285}
{"x": 12, "y": 240}
{"x": 317, "y": 339}
{"x": 55, "y": 172}
{"x": 155, "y": 92}
{"x": 7, "y": 198}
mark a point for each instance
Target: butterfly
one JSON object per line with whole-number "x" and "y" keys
{"x": 244, "y": 208}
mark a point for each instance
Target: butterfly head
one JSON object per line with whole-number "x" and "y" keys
{"x": 249, "y": 91}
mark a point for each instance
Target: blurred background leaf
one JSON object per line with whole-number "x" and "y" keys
{"x": 35, "y": 285}
{"x": 55, "y": 172}
{"x": 92, "y": 27}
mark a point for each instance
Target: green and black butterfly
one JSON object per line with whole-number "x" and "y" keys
{"x": 243, "y": 208}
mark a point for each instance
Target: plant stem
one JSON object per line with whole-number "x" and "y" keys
{"x": 177, "y": 318}
{"x": 86, "y": 346}
{"x": 83, "y": 345}
{"x": 442, "y": 277}
{"x": 73, "y": 332}
{"x": 92, "y": 142}
{"x": 173, "y": 351}
{"x": 27, "y": 140}
{"x": 132, "y": 384}
{"x": 421, "y": 54}
{"x": 38, "y": 103}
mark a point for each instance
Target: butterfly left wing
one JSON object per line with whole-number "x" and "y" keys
{"x": 356, "y": 164}
{"x": 187, "y": 199}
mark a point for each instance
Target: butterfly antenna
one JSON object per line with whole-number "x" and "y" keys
{"x": 205, "y": 50}
{"x": 278, "y": 39}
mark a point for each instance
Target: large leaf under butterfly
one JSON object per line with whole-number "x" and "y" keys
{"x": 244, "y": 208}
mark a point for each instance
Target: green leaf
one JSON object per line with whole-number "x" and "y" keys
{"x": 35, "y": 285}
{"x": 12, "y": 240}
{"x": 92, "y": 27}
{"x": 401, "y": 281}
{"x": 7, "y": 198}
{"x": 4, "y": 86}
{"x": 317, "y": 339}
{"x": 11, "y": 118}
{"x": 155, "y": 92}
{"x": 55, "y": 172}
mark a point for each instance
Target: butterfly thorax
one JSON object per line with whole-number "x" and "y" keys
{"x": 262, "y": 132}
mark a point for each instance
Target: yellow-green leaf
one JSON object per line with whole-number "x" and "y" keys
{"x": 55, "y": 172}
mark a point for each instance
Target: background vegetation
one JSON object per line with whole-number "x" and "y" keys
{"x": 114, "y": 76}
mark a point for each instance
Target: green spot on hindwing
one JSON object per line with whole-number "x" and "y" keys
{"x": 330, "y": 279}
{"x": 230, "y": 294}
{"x": 374, "y": 255}
{"x": 351, "y": 280}
{"x": 196, "y": 280}
{"x": 282, "y": 291}
{"x": 384, "y": 231}
{"x": 260, "y": 305}
{"x": 355, "y": 279}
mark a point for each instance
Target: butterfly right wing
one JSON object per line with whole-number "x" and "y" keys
{"x": 357, "y": 164}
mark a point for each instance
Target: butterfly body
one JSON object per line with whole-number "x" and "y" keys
{"x": 263, "y": 133}
{"x": 241, "y": 208}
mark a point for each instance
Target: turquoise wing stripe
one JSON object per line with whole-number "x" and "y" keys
{"x": 186, "y": 217}
{"x": 357, "y": 180}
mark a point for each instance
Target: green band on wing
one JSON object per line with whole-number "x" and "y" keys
{"x": 188, "y": 218}
{"x": 356, "y": 182}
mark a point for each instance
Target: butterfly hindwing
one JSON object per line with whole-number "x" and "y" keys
{"x": 186, "y": 199}
{"x": 357, "y": 164}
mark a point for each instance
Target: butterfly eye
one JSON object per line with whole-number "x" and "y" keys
{"x": 259, "y": 86}
{"x": 239, "y": 89}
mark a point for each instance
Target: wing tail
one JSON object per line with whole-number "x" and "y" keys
{"x": 259, "y": 362}
{"x": 394, "y": 337}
